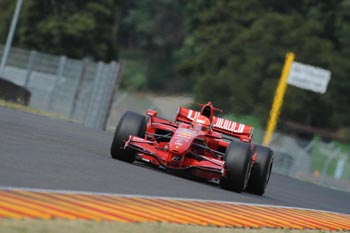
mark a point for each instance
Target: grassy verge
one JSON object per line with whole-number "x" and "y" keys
{"x": 57, "y": 226}
{"x": 24, "y": 108}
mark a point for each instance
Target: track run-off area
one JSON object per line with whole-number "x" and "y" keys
{"x": 54, "y": 169}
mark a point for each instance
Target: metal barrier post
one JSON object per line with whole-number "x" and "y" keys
{"x": 78, "y": 90}
{"x": 10, "y": 36}
{"x": 31, "y": 60}
{"x": 93, "y": 95}
{"x": 114, "y": 87}
{"x": 101, "y": 96}
{"x": 59, "y": 76}
{"x": 107, "y": 90}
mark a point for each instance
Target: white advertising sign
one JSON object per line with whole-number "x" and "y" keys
{"x": 309, "y": 77}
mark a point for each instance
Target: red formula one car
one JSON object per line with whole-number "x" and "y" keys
{"x": 198, "y": 143}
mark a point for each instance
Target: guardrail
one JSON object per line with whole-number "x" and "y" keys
{"x": 78, "y": 89}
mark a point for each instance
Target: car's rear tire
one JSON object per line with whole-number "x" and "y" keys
{"x": 131, "y": 123}
{"x": 261, "y": 171}
{"x": 238, "y": 163}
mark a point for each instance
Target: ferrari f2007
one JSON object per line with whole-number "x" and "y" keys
{"x": 197, "y": 143}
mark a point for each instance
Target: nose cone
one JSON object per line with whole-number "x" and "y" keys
{"x": 178, "y": 146}
{"x": 181, "y": 141}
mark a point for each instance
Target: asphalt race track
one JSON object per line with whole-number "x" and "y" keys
{"x": 39, "y": 152}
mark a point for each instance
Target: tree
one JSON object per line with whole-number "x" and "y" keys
{"x": 6, "y": 11}
{"x": 234, "y": 51}
{"x": 75, "y": 28}
{"x": 155, "y": 27}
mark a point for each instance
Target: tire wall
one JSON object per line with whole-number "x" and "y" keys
{"x": 13, "y": 93}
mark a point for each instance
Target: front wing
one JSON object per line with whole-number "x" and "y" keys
{"x": 199, "y": 165}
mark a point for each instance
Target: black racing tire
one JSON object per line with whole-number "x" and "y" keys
{"x": 261, "y": 171}
{"x": 131, "y": 123}
{"x": 238, "y": 159}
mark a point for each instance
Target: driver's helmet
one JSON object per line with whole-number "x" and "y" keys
{"x": 201, "y": 123}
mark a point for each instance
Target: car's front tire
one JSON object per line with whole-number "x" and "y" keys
{"x": 238, "y": 163}
{"x": 131, "y": 123}
{"x": 261, "y": 171}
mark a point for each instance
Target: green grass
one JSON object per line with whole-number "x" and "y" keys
{"x": 58, "y": 226}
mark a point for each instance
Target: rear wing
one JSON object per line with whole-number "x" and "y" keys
{"x": 221, "y": 125}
